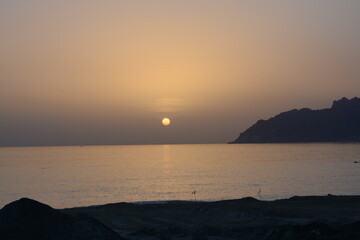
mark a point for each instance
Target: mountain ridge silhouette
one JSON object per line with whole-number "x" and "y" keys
{"x": 340, "y": 123}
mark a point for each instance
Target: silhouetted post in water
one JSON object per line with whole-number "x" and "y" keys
{"x": 194, "y": 192}
{"x": 259, "y": 193}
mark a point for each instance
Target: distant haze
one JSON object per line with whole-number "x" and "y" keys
{"x": 107, "y": 72}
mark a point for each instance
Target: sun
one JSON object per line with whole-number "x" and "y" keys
{"x": 165, "y": 122}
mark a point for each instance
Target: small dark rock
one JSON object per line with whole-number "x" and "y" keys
{"x": 29, "y": 219}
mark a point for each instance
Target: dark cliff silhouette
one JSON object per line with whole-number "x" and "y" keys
{"x": 340, "y": 123}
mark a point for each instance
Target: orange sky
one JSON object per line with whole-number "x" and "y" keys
{"x": 106, "y": 72}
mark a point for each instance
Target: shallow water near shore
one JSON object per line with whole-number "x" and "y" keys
{"x": 93, "y": 175}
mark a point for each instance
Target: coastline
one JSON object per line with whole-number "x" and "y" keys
{"x": 305, "y": 217}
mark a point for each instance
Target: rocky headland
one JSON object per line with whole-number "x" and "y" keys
{"x": 340, "y": 123}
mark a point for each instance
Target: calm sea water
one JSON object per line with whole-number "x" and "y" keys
{"x": 92, "y": 175}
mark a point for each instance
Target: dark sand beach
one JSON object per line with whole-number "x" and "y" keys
{"x": 310, "y": 217}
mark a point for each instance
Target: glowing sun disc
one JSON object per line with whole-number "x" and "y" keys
{"x": 165, "y": 122}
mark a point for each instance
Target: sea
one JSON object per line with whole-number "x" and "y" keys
{"x": 74, "y": 176}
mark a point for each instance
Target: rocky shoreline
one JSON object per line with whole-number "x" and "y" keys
{"x": 309, "y": 217}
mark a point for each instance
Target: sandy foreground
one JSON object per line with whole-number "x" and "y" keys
{"x": 320, "y": 217}
{"x": 314, "y": 217}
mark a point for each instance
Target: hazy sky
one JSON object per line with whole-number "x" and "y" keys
{"x": 107, "y": 72}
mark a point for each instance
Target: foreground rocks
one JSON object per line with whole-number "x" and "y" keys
{"x": 327, "y": 217}
{"x": 29, "y": 219}
{"x": 317, "y": 217}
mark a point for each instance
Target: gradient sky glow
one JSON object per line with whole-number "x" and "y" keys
{"x": 107, "y": 72}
